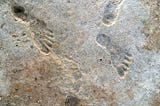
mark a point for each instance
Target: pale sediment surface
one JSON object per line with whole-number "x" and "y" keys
{"x": 79, "y": 53}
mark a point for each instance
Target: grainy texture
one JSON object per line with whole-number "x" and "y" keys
{"x": 79, "y": 53}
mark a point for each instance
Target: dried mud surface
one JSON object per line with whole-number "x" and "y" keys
{"x": 79, "y": 53}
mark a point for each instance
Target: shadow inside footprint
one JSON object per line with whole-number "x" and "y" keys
{"x": 120, "y": 57}
{"x": 72, "y": 101}
{"x": 19, "y": 11}
{"x": 103, "y": 40}
{"x": 42, "y": 38}
{"x": 111, "y": 11}
{"x": 109, "y": 14}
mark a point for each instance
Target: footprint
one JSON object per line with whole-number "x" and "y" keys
{"x": 72, "y": 101}
{"x": 41, "y": 36}
{"x": 123, "y": 67}
{"x": 19, "y": 13}
{"x": 111, "y": 12}
{"x": 120, "y": 57}
{"x": 103, "y": 40}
